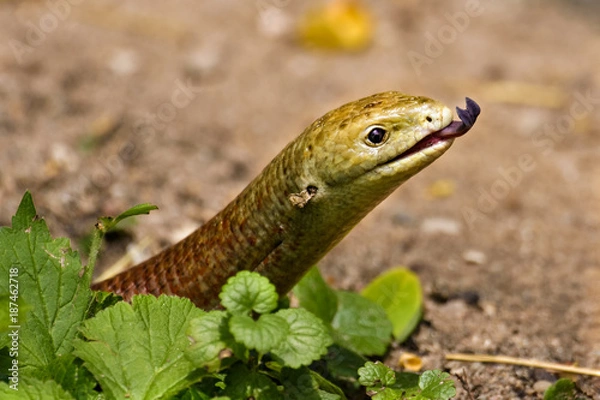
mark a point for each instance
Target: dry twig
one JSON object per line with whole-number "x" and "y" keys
{"x": 522, "y": 362}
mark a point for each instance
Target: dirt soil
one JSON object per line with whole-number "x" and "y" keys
{"x": 106, "y": 105}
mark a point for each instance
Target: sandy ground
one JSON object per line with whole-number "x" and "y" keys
{"x": 105, "y": 105}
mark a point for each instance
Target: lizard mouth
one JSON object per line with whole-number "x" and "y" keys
{"x": 468, "y": 116}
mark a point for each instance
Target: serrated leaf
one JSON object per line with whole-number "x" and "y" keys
{"x": 307, "y": 340}
{"x": 51, "y": 285}
{"x": 396, "y": 394}
{"x": 409, "y": 381}
{"x": 323, "y": 395}
{"x": 385, "y": 384}
{"x": 33, "y": 389}
{"x": 398, "y": 291}
{"x": 26, "y": 213}
{"x": 376, "y": 375}
{"x": 248, "y": 291}
{"x": 304, "y": 384}
{"x": 562, "y": 389}
{"x": 327, "y": 389}
{"x": 6, "y": 308}
{"x": 361, "y": 325}
{"x": 70, "y": 374}
{"x": 241, "y": 383}
{"x": 209, "y": 335}
{"x": 316, "y": 296}
{"x": 193, "y": 394}
{"x": 100, "y": 301}
{"x": 437, "y": 385}
{"x": 137, "y": 350}
{"x": 262, "y": 335}
{"x": 343, "y": 363}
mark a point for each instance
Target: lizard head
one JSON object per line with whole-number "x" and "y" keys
{"x": 382, "y": 140}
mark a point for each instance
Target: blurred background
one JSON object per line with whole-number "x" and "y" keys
{"x": 108, "y": 104}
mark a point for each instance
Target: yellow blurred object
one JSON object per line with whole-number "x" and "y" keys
{"x": 410, "y": 362}
{"x": 442, "y": 188}
{"x": 339, "y": 25}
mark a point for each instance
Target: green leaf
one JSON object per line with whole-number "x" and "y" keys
{"x": 437, "y": 385}
{"x": 307, "y": 340}
{"x": 7, "y": 313}
{"x": 193, "y": 394}
{"x": 108, "y": 223}
{"x": 376, "y": 375}
{"x": 210, "y": 336}
{"x": 26, "y": 213}
{"x": 361, "y": 325}
{"x": 385, "y": 384}
{"x": 47, "y": 286}
{"x": 248, "y": 291}
{"x": 100, "y": 301}
{"x": 316, "y": 296}
{"x": 398, "y": 291}
{"x": 304, "y": 384}
{"x": 327, "y": 389}
{"x": 329, "y": 396}
{"x": 407, "y": 381}
{"x": 562, "y": 389}
{"x": 263, "y": 335}
{"x": 137, "y": 350}
{"x": 298, "y": 383}
{"x": 70, "y": 374}
{"x": 33, "y": 389}
{"x": 343, "y": 363}
{"x": 245, "y": 384}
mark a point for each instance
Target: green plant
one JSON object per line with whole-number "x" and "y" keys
{"x": 385, "y": 384}
{"x": 563, "y": 389}
{"x": 61, "y": 340}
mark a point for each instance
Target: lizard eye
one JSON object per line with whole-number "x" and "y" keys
{"x": 376, "y": 135}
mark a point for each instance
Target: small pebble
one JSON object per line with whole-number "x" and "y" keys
{"x": 402, "y": 219}
{"x": 273, "y": 22}
{"x": 205, "y": 59}
{"x": 474, "y": 257}
{"x": 60, "y": 159}
{"x": 541, "y": 386}
{"x": 440, "y": 225}
{"x": 489, "y": 309}
{"x": 124, "y": 62}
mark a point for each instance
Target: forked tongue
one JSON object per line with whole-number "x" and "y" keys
{"x": 468, "y": 116}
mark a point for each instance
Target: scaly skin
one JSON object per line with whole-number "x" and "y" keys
{"x": 304, "y": 202}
